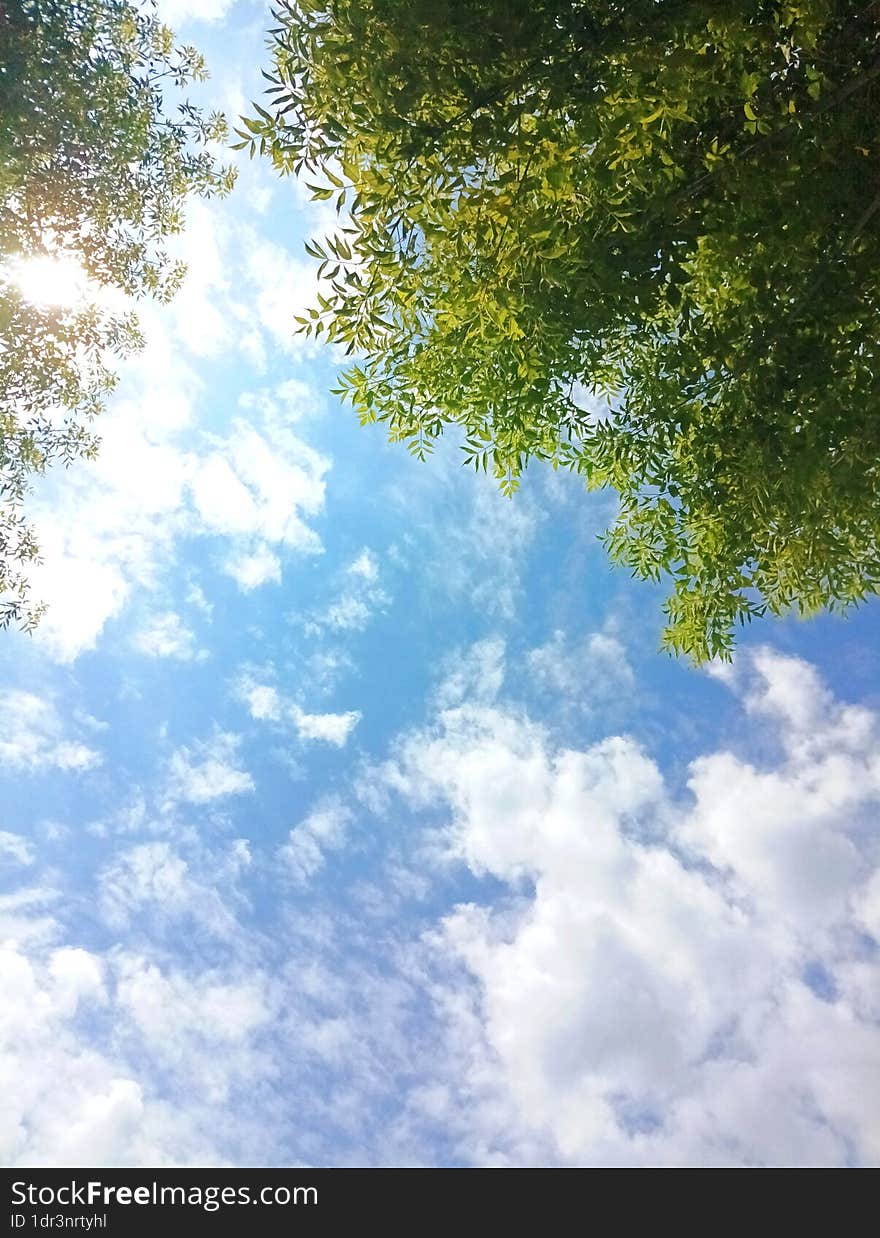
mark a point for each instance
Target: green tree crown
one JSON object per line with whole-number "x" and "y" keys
{"x": 96, "y": 162}
{"x": 637, "y": 240}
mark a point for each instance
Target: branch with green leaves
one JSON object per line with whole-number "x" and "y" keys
{"x": 97, "y": 160}
{"x": 669, "y": 207}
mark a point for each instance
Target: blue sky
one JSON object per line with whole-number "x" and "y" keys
{"x": 351, "y": 816}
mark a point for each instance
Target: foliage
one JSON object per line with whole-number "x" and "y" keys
{"x": 634, "y": 238}
{"x": 95, "y": 166}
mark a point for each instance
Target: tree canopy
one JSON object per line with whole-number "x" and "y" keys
{"x": 96, "y": 162}
{"x": 638, "y": 239}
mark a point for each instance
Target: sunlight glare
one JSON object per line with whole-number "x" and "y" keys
{"x": 48, "y": 281}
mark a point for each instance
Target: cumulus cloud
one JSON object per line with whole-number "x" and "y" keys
{"x": 247, "y": 487}
{"x": 326, "y": 667}
{"x": 329, "y": 728}
{"x": 287, "y": 402}
{"x": 250, "y": 569}
{"x": 147, "y": 874}
{"x": 646, "y": 996}
{"x": 114, "y": 526}
{"x": 35, "y": 739}
{"x": 68, "y": 1101}
{"x": 171, "y": 1008}
{"x": 195, "y": 596}
{"x": 121, "y": 1056}
{"x": 366, "y": 565}
{"x": 600, "y": 967}
{"x": 263, "y": 700}
{"x": 283, "y": 287}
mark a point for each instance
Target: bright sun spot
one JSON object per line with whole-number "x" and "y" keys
{"x": 49, "y": 281}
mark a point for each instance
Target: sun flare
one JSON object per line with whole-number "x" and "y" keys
{"x": 48, "y": 281}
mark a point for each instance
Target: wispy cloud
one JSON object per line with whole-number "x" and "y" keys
{"x": 15, "y": 849}
{"x": 591, "y": 670}
{"x": 323, "y": 830}
{"x": 35, "y": 737}
{"x": 152, "y": 879}
{"x": 360, "y": 596}
{"x": 479, "y": 542}
{"x": 165, "y": 636}
{"x": 208, "y": 771}
{"x": 473, "y": 674}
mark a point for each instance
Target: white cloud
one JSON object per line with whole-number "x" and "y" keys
{"x": 200, "y": 1026}
{"x": 208, "y": 772}
{"x": 360, "y": 597}
{"x": 625, "y": 975}
{"x": 176, "y": 11}
{"x": 25, "y": 915}
{"x": 473, "y": 674}
{"x": 107, "y": 534}
{"x": 479, "y": 540}
{"x": 251, "y": 569}
{"x": 328, "y": 728}
{"x": 15, "y": 848}
{"x": 325, "y": 667}
{"x": 282, "y": 287}
{"x": 126, "y": 1058}
{"x": 323, "y": 830}
{"x": 149, "y": 873}
{"x": 290, "y": 401}
{"x": 169, "y": 1009}
{"x": 195, "y": 595}
{"x": 112, "y": 526}
{"x": 644, "y": 995}
{"x": 82, "y": 593}
{"x": 251, "y": 486}
{"x": 67, "y": 1101}
{"x": 153, "y": 880}
{"x": 791, "y": 835}
{"x": 263, "y": 701}
{"x": 347, "y": 614}
{"x": 266, "y": 703}
{"x": 592, "y": 670}
{"x": 34, "y": 736}
{"x": 596, "y": 407}
{"x": 365, "y": 565}
{"x": 165, "y": 636}
{"x": 203, "y": 311}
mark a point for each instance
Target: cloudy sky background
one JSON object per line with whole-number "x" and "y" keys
{"x": 350, "y": 816}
